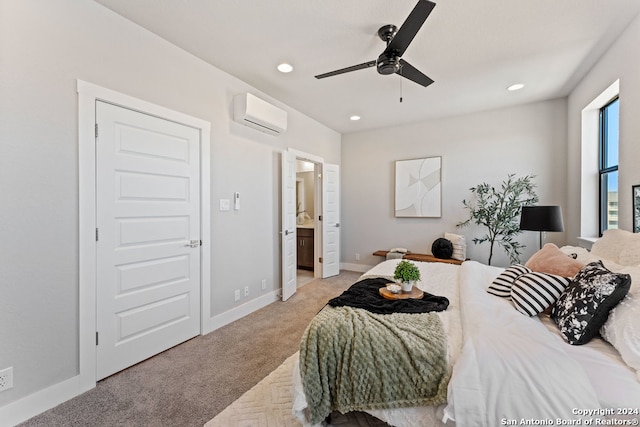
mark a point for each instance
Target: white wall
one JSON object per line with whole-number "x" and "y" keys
{"x": 475, "y": 148}
{"x": 621, "y": 61}
{"x": 45, "y": 46}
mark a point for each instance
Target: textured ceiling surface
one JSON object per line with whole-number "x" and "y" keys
{"x": 472, "y": 49}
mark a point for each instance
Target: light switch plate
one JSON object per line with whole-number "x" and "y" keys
{"x": 225, "y": 204}
{"x": 6, "y": 379}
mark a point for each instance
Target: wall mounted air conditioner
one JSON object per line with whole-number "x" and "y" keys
{"x": 252, "y": 111}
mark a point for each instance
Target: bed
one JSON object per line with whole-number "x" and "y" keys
{"x": 503, "y": 366}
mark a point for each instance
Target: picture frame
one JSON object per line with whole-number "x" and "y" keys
{"x": 418, "y": 188}
{"x": 636, "y": 207}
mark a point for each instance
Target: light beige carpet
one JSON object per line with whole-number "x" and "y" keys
{"x": 269, "y": 403}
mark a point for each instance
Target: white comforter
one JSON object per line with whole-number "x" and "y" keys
{"x": 511, "y": 367}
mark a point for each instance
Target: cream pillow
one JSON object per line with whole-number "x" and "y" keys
{"x": 610, "y": 245}
{"x": 630, "y": 253}
{"x": 459, "y": 246}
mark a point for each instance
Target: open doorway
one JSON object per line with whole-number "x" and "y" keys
{"x": 306, "y": 219}
{"x": 325, "y": 219}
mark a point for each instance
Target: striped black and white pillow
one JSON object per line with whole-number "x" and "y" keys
{"x": 534, "y": 292}
{"x": 501, "y": 285}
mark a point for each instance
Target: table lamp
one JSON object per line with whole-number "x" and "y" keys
{"x": 541, "y": 219}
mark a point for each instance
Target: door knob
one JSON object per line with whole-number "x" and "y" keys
{"x": 194, "y": 243}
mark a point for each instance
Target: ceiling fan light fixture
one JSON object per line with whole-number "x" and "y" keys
{"x": 388, "y": 65}
{"x": 514, "y": 87}
{"x": 285, "y": 68}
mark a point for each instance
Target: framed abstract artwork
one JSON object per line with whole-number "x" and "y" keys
{"x": 419, "y": 188}
{"x": 636, "y": 208}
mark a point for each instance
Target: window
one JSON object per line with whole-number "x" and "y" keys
{"x": 608, "y": 169}
{"x": 590, "y": 169}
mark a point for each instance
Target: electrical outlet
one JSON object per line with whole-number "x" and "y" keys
{"x": 263, "y": 285}
{"x": 357, "y": 257}
{"x": 6, "y": 379}
{"x": 246, "y": 291}
{"x": 237, "y": 295}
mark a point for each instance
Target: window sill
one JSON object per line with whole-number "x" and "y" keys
{"x": 586, "y": 242}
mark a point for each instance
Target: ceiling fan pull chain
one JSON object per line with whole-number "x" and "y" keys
{"x": 401, "y": 86}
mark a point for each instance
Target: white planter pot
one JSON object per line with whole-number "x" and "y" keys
{"x": 406, "y": 286}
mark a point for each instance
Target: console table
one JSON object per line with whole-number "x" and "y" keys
{"x": 420, "y": 257}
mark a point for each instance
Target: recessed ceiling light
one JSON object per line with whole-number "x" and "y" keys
{"x": 285, "y": 68}
{"x": 354, "y": 118}
{"x": 516, "y": 86}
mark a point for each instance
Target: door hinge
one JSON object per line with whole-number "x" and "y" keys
{"x": 96, "y": 130}
{"x": 97, "y": 235}
{"x": 320, "y": 260}
{"x": 96, "y": 338}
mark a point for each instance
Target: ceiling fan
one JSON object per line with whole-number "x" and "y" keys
{"x": 390, "y": 61}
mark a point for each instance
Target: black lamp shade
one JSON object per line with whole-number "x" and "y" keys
{"x": 541, "y": 218}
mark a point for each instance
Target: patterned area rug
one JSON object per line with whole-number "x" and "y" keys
{"x": 269, "y": 403}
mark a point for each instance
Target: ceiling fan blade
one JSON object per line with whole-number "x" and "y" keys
{"x": 412, "y": 73}
{"x": 348, "y": 69}
{"x": 409, "y": 28}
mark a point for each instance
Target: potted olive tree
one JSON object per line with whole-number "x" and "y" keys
{"x": 407, "y": 273}
{"x": 498, "y": 209}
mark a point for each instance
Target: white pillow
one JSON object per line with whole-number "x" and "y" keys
{"x": 622, "y": 328}
{"x": 630, "y": 253}
{"x": 579, "y": 253}
{"x": 459, "y": 246}
{"x": 610, "y": 245}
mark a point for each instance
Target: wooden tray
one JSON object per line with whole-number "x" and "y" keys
{"x": 415, "y": 294}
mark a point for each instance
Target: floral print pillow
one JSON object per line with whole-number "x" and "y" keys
{"x": 584, "y": 305}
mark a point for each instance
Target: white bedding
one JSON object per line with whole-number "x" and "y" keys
{"x": 506, "y": 355}
{"x": 511, "y": 367}
{"x": 614, "y": 382}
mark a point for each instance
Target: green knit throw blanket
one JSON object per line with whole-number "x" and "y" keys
{"x": 354, "y": 360}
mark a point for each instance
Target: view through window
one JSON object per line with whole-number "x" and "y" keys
{"x": 609, "y": 126}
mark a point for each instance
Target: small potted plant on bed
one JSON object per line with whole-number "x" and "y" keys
{"x": 407, "y": 274}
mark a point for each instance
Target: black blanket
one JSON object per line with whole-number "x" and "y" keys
{"x": 366, "y": 294}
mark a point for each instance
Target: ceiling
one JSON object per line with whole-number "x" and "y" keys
{"x": 472, "y": 49}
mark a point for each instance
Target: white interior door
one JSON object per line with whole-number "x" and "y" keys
{"x": 330, "y": 220}
{"x": 148, "y": 236}
{"x": 288, "y": 233}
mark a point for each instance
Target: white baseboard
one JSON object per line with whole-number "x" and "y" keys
{"x": 29, "y": 406}
{"x": 40, "y": 401}
{"x": 239, "y": 312}
{"x": 361, "y": 268}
